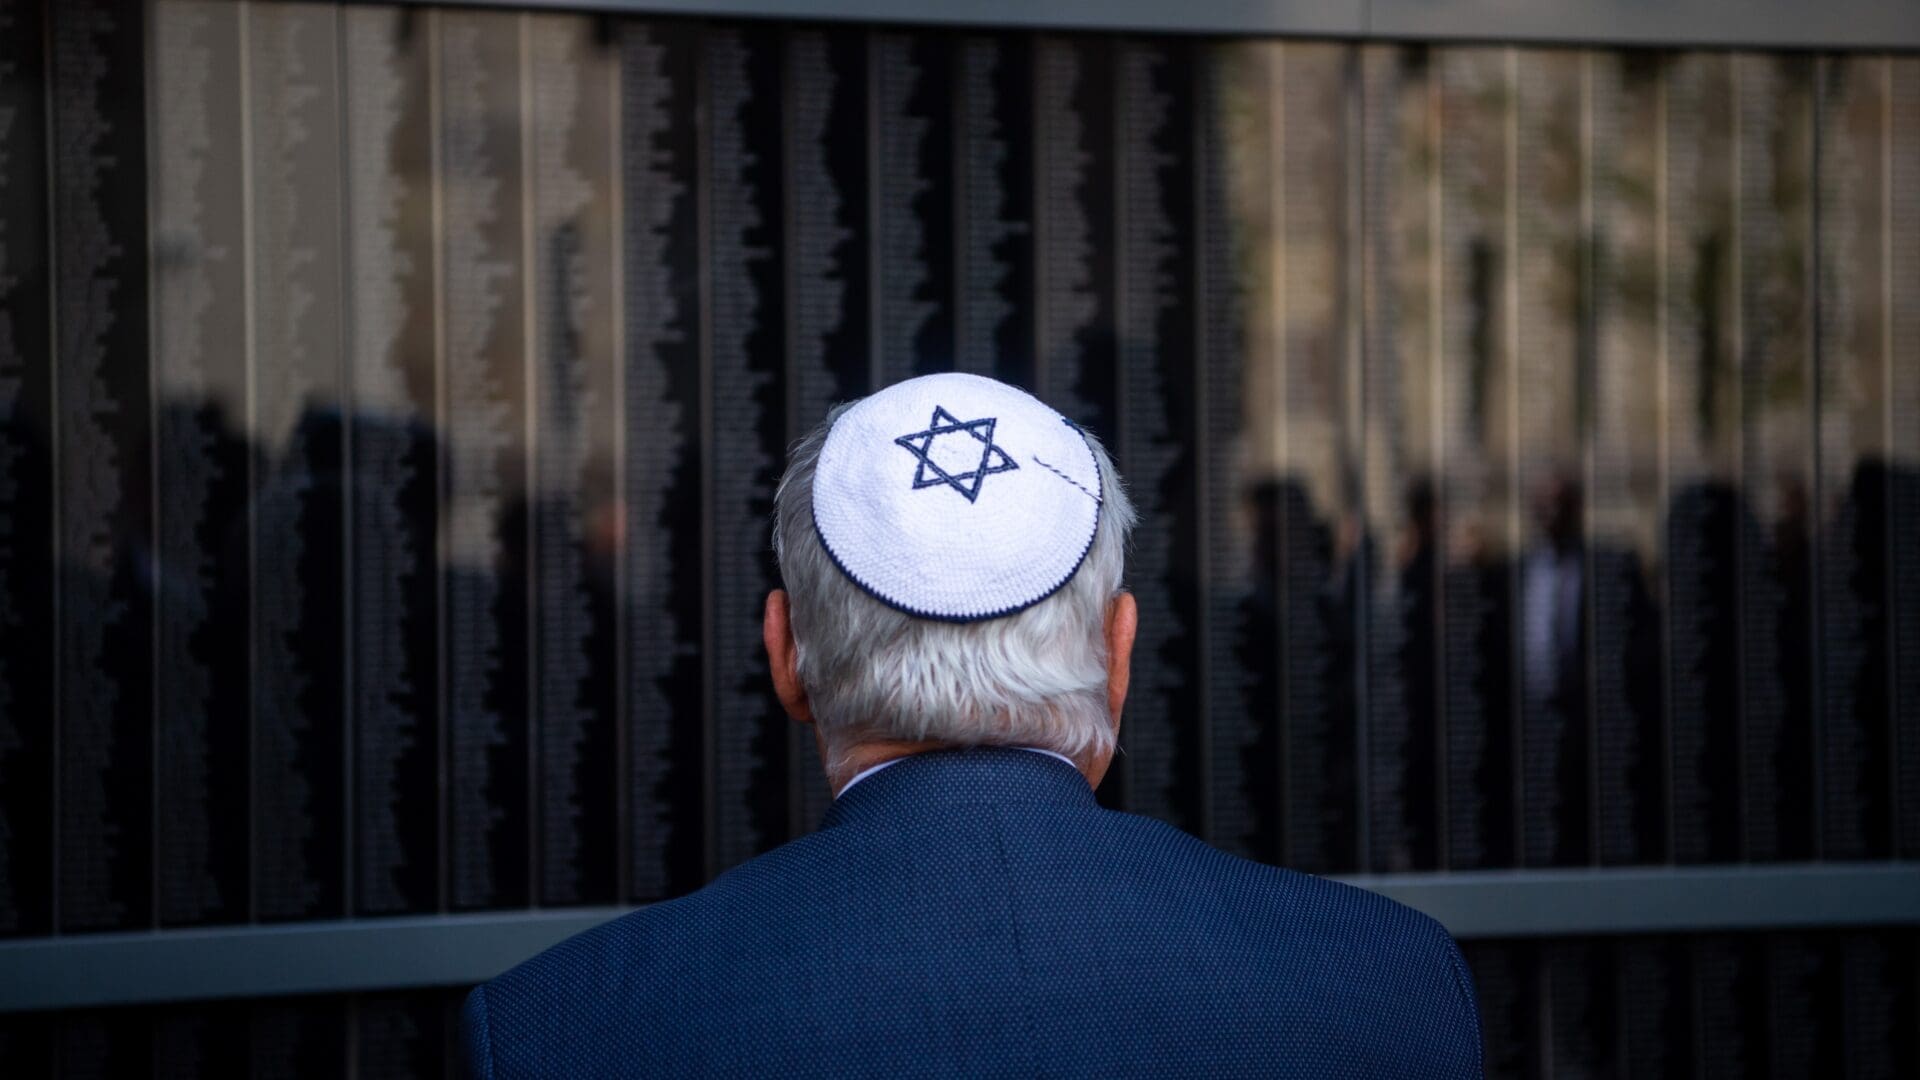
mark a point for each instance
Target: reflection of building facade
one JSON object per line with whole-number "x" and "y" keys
{"x": 1528, "y": 441}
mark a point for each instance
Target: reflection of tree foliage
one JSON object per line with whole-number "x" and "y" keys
{"x": 1243, "y": 102}
{"x": 1635, "y": 272}
{"x": 1776, "y": 259}
{"x": 1416, "y": 68}
{"x": 1472, "y": 147}
{"x": 1709, "y": 355}
{"x": 1700, "y": 90}
{"x": 1444, "y": 118}
{"x": 1483, "y": 111}
{"x": 1849, "y": 197}
{"x": 1634, "y": 194}
{"x": 1482, "y": 274}
{"x": 1561, "y": 182}
{"x": 1552, "y": 158}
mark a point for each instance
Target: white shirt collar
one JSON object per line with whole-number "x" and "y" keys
{"x": 871, "y": 769}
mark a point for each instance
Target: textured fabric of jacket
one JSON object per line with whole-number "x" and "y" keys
{"x": 976, "y": 913}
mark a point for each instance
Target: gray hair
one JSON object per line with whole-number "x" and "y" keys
{"x": 1035, "y": 678}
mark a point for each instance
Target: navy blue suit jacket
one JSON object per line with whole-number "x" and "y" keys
{"x": 977, "y": 913}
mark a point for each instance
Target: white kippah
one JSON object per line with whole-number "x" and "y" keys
{"x": 956, "y": 497}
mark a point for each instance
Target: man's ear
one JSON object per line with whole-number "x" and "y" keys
{"x": 776, "y": 630}
{"x": 1123, "y": 620}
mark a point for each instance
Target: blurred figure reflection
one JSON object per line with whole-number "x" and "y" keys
{"x": 1553, "y": 584}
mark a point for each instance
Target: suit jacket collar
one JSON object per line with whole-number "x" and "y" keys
{"x": 990, "y": 775}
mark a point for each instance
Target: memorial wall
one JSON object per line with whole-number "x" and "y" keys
{"x": 1527, "y": 444}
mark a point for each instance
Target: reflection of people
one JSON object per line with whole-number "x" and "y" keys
{"x": 1554, "y": 649}
{"x": 1705, "y": 518}
{"x": 1309, "y": 571}
{"x": 1857, "y": 703}
{"x": 1552, "y": 596}
{"x": 953, "y": 630}
{"x": 1415, "y": 628}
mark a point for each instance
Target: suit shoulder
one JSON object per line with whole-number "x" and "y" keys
{"x": 1344, "y": 962}
{"x": 581, "y": 963}
{"x": 649, "y": 946}
{"x": 599, "y": 1003}
{"x": 1278, "y": 902}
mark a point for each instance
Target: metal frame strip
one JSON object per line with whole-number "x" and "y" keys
{"x": 450, "y": 950}
{"x": 1794, "y": 24}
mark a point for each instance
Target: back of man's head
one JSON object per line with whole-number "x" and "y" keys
{"x": 952, "y": 552}
{"x": 925, "y": 588}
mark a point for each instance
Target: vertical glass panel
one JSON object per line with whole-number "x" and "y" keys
{"x": 1241, "y": 205}
{"x": 398, "y": 703}
{"x": 199, "y": 364}
{"x": 1854, "y": 481}
{"x": 1623, "y": 391}
{"x": 489, "y": 344}
{"x": 1773, "y": 198}
{"x": 1704, "y": 509}
{"x": 1156, "y": 437}
{"x": 296, "y": 429}
{"x": 26, "y": 474}
{"x": 1900, "y": 248}
{"x": 570, "y": 103}
{"x": 1476, "y": 429}
{"x": 1550, "y": 338}
{"x": 1309, "y": 449}
{"x": 745, "y": 406}
{"x": 102, "y": 413}
{"x": 1402, "y": 324}
{"x": 662, "y": 463}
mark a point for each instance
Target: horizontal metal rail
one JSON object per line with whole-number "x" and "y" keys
{"x": 337, "y": 956}
{"x": 451, "y": 950}
{"x": 1653, "y": 900}
{"x": 1877, "y": 25}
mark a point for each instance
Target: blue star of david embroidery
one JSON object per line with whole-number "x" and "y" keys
{"x": 930, "y": 474}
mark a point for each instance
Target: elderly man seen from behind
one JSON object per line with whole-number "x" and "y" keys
{"x": 953, "y": 628}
